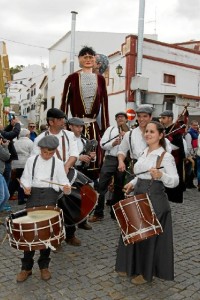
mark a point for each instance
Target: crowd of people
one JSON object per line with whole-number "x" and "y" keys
{"x": 40, "y": 164}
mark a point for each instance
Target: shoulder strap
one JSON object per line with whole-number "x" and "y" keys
{"x": 159, "y": 159}
{"x": 34, "y": 163}
{"x": 131, "y": 149}
{"x": 64, "y": 133}
{"x": 52, "y": 167}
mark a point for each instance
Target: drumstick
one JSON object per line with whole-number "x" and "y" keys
{"x": 51, "y": 182}
{"x": 148, "y": 171}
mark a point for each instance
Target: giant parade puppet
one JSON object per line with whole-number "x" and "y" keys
{"x": 85, "y": 95}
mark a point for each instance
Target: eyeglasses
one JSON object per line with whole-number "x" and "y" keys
{"x": 31, "y": 126}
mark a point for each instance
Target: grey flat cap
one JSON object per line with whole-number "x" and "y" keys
{"x": 121, "y": 113}
{"x": 144, "y": 109}
{"x": 167, "y": 113}
{"x": 49, "y": 141}
{"x": 55, "y": 113}
{"x": 76, "y": 121}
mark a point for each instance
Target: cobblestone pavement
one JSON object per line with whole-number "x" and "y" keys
{"x": 87, "y": 272}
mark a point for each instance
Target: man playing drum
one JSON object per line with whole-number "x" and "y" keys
{"x": 39, "y": 170}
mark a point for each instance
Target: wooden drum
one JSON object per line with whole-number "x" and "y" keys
{"x": 136, "y": 218}
{"x": 40, "y": 228}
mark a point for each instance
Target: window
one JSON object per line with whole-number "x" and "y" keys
{"x": 45, "y": 103}
{"x": 53, "y": 73}
{"x": 170, "y": 79}
{"x": 52, "y": 102}
{"x": 64, "y": 67}
{"x": 169, "y": 100}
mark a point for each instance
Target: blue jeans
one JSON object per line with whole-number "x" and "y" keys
{"x": 4, "y": 193}
{"x": 198, "y": 170}
{"x": 7, "y": 172}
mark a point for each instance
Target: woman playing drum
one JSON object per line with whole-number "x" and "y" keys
{"x": 153, "y": 256}
{"x": 38, "y": 170}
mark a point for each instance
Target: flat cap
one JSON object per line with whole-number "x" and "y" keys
{"x": 76, "y": 121}
{"x": 55, "y": 113}
{"x": 121, "y": 113}
{"x": 49, "y": 141}
{"x": 167, "y": 113}
{"x": 144, "y": 109}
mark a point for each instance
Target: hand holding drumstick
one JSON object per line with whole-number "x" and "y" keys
{"x": 128, "y": 188}
{"x": 27, "y": 190}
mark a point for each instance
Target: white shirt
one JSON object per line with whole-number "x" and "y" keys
{"x": 110, "y": 133}
{"x": 71, "y": 149}
{"x": 137, "y": 142}
{"x": 43, "y": 172}
{"x": 145, "y": 162}
{"x": 80, "y": 149}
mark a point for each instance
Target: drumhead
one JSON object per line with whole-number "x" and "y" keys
{"x": 36, "y": 216}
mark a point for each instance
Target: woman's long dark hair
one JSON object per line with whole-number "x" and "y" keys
{"x": 160, "y": 129}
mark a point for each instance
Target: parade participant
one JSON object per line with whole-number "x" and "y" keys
{"x": 32, "y": 128}
{"x": 67, "y": 151}
{"x": 110, "y": 144}
{"x": 153, "y": 256}
{"x": 86, "y": 95}
{"x": 76, "y": 126}
{"x": 4, "y": 156}
{"x": 44, "y": 166}
{"x": 166, "y": 118}
{"x": 134, "y": 141}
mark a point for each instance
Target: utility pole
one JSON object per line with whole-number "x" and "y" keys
{"x": 72, "y": 51}
{"x": 140, "y": 47}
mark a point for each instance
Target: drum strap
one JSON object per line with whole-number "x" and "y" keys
{"x": 158, "y": 163}
{"x": 52, "y": 167}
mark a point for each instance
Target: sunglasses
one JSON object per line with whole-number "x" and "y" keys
{"x": 32, "y": 126}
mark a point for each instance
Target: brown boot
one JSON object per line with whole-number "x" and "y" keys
{"x": 94, "y": 218}
{"x": 138, "y": 280}
{"x": 45, "y": 274}
{"x": 23, "y": 275}
{"x": 73, "y": 241}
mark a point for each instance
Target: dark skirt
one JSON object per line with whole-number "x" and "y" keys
{"x": 153, "y": 256}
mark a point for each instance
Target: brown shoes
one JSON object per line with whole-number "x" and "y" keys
{"x": 45, "y": 274}
{"x": 23, "y": 275}
{"x": 85, "y": 226}
{"x": 94, "y": 218}
{"x": 73, "y": 241}
{"x": 122, "y": 274}
{"x": 138, "y": 280}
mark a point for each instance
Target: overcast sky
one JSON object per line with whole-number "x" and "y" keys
{"x": 41, "y": 23}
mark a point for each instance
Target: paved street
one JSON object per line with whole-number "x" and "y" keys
{"x": 87, "y": 272}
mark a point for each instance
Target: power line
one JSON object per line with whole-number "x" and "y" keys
{"x": 34, "y": 46}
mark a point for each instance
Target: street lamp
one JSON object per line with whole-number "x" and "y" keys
{"x": 119, "y": 70}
